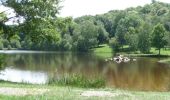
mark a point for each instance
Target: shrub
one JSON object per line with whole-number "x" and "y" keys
{"x": 1, "y": 45}
{"x": 9, "y": 47}
{"x": 114, "y": 44}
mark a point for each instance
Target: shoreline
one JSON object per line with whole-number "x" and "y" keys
{"x": 50, "y": 92}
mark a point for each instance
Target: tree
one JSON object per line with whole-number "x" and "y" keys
{"x": 144, "y": 43}
{"x": 103, "y": 35}
{"x": 107, "y": 24}
{"x": 158, "y": 35}
{"x": 114, "y": 44}
{"x": 85, "y": 36}
{"x": 131, "y": 38}
{"x": 32, "y": 9}
{"x": 131, "y": 20}
{"x": 39, "y": 21}
{"x": 15, "y": 42}
{"x": 167, "y": 38}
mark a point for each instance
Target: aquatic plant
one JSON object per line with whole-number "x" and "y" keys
{"x": 2, "y": 61}
{"x": 79, "y": 81}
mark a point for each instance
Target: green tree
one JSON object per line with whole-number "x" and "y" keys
{"x": 144, "y": 43}
{"x": 39, "y": 21}
{"x": 15, "y": 42}
{"x": 107, "y": 24}
{"x": 131, "y": 38}
{"x": 85, "y": 36}
{"x": 131, "y": 20}
{"x": 114, "y": 44}
{"x": 158, "y": 35}
{"x": 103, "y": 35}
{"x": 33, "y": 9}
{"x": 167, "y": 38}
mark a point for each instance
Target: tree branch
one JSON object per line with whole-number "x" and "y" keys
{"x": 4, "y": 11}
{"x": 7, "y": 19}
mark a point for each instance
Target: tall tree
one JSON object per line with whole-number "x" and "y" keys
{"x": 144, "y": 42}
{"x": 131, "y": 38}
{"x": 39, "y": 17}
{"x": 131, "y": 20}
{"x": 30, "y": 9}
{"x": 85, "y": 36}
{"x": 158, "y": 39}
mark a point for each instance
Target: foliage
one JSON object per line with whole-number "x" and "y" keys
{"x": 131, "y": 20}
{"x": 85, "y": 36}
{"x": 114, "y": 44}
{"x": 167, "y": 38}
{"x": 131, "y": 38}
{"x": 144, "y": 43}
{"x": 158, "y": 39}
{"x": 41, "y": 29}
{"x": 2, "y": 61}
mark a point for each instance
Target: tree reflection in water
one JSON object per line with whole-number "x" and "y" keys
{"x": 143, "y": 74}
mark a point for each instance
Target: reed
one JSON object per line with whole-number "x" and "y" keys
{"x": 78, "y": 81}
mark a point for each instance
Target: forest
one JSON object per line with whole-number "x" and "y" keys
{"x": 140, "y": 28}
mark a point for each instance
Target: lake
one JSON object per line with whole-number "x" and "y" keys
{"x": 39, "y": 67}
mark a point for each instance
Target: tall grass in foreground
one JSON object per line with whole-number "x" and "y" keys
{"x": 79, "y": 81}
{"x": 2, "y": 61}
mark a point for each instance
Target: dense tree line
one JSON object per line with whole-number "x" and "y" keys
{"x": 140, "y": 28}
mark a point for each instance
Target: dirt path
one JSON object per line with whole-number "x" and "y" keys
{"x": 36, "y": 91}
{"x": 103, "y": 94}
{"x": 21, "y": 91}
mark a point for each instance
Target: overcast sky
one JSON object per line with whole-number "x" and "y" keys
{"x": 78, "y": 8}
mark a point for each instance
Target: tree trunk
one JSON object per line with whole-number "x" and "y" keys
{"x": 159, "y": 51}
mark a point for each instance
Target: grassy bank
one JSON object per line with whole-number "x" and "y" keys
{"x": 72, "y": 93}
{"x": 105, "y": 51}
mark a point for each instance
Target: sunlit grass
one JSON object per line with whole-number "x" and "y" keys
{"x": 72, "y": 93}
{"x": 104, "y": 48}
{"x": 163, "y": 51}
{"x": 105, "y": 51}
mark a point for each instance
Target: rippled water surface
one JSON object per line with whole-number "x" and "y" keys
{"x": 40, "y": 67}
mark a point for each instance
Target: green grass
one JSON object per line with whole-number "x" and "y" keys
{"x": 79, "y": 81}
{"x": 104, "y": 48}
{"x": 73, "y": 93}
{"x": 105, "y": 51}
{"x": 163, "y": 51}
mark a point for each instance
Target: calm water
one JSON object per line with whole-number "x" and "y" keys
{"x": 39, "y": 67}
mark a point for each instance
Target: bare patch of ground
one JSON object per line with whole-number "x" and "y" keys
{"x": 102, "y": 94}
{"x": 21, "y": 91}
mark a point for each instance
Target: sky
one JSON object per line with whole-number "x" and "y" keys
{"x": 77, "y": 8}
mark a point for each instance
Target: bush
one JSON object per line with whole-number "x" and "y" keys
{"x": 1, "y": 45}
{"x": 15, "y": 44}
{"x": 2, "y": 61}
{"x": 5, "y": 43}
{"x": 114, "y": 44}
{"x": 9, "y": 47}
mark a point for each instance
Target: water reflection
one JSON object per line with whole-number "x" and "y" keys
{"x": 17, "y": 75}
{"x": 143, "y": 74}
